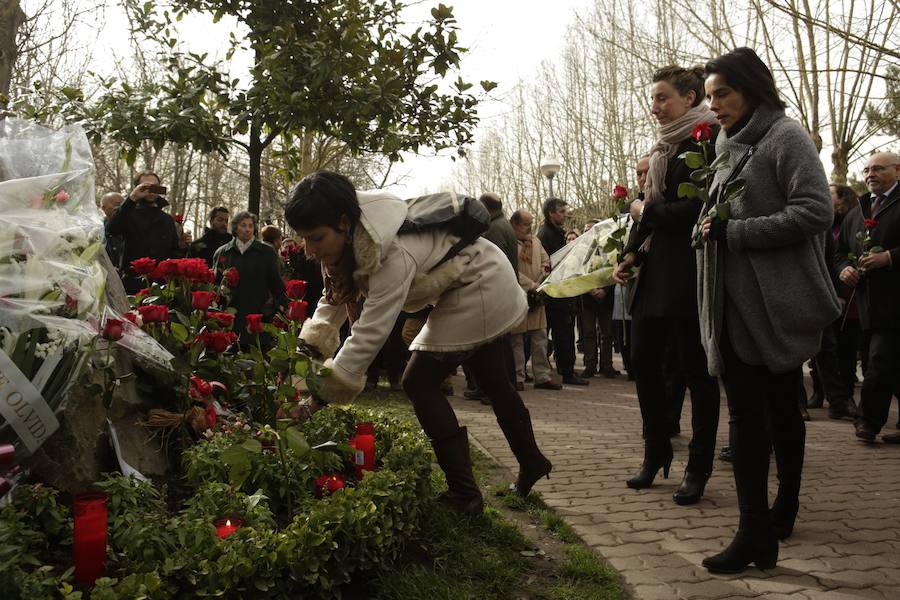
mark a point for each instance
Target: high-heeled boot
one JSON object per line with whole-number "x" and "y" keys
{"x": 533, "y": 464}
{"x": 754, "y": 543}
{"x": 463, "y": 494}
{"x": 691, "y": 489}
{"x": 653, "y": 462}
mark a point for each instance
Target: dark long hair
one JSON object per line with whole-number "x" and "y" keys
{"x": 322, "y": 198}
{"x": 744, "y": 71}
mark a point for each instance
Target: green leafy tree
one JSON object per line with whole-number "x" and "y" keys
{"x": 339, "y": 67}
{"x": 352, "y": 70}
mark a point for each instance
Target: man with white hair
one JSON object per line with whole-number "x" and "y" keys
{"x": 871, "y": 232}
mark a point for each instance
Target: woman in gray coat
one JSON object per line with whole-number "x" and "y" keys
{"x": 764, "y": 294}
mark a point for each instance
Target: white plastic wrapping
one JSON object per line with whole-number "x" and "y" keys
{"x": 52, "y": 287}
{"x": 587, "y": 262}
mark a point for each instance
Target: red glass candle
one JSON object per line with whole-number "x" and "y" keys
{"x": 90, "y": 536}
{"x": 329, "y": 484}
{"x": 364, "y": 443}
{"x": 227, "y": 525}
{"x": 7, "y": 455}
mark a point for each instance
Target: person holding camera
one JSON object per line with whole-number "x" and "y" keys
{"x": 534, "y": 264}
{"x": 145, "y": 229}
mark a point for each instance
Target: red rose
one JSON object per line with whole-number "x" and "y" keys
{"x": 209, "y": 276}
{"x": 154, "y": 313}
{"x": 143, "y": 266}
{"x": 224, "y": 319}
{"x": 232, "y": 277}
{"x": 620, "y": 192}
{"x": 144, "y": 292}
{"x": 217, "y": 341}
{"x": 870, "y": 224}
{"x": 202, "y": 300}
{"x": 165, "y": 269}
{"x": 200, "y": 389}
{"x": 113, "y": 329}
{"x": 222, "y": 259}
{"x": 295, "y": 289}
{"x": 254, "y": 323}
{"x": 297, "y": 310}
{"x": 179, "y": 218}
{"x": 132, "y": 317}
{"x": 211, "y": 416}
{"x": 194, "y": 269}
{"x": 702, "y": 132}
{"x": 62, "y": 196}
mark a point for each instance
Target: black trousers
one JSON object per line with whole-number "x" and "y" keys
{"x": 764, "y": 413}
{"x": 622, "y": 342}
{"x": 828, "y": 370}
{"x": 882, "y": 376}
{"x": 596, "y": 335}
{"x": 561, "y": 321}
{"x": 422, "y": 382}
{"x": 848, "y": 335}
{"x": 666, "y": 347}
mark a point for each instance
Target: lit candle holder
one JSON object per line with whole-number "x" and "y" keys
{"x": 329, "y": 484}
{"x": 89, "y": 545}
{"x": 227, "y": 525}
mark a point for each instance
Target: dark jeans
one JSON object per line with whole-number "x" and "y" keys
{"x": 561, "y": 321}
{"x": 882, "y": 376}
{"x": 597, "y": 335}
{"x": 422, "y": 382}
{"x": 664, "y": 347}
{"x": 764, "y": 413}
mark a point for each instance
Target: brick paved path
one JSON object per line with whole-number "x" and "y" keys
{"x": 846, "y": 543}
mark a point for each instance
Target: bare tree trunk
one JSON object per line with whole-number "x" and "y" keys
{"x": 11, "y": 17}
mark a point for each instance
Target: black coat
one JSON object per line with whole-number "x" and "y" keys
{"x": 209, "y": 242}
{"x": 552, "y": 239}
{"x": 667, "y": 286}
{"x": 145, "y": 230}
{"x": 260, "y": 288}
{"x": 879, "y": 290}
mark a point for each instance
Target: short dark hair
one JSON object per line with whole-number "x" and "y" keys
{"x": 217, "y": 210}
{"x": 744, "y": 71}
{"x": 322, "y": 198}
{"x": 683, "y": 80}
{"x": 845, "y": 193}
{"x": 552, "y": 205}
{"x": 137, "y": 178}
{"x": 270, "y": 233}
{"x": 238, "y": 217}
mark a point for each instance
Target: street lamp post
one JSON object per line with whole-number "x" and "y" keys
{"x": 550, "y": 166}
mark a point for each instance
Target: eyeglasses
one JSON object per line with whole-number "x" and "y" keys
{"x": 876, "y": 168}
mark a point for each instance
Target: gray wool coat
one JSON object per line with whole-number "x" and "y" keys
{"x": 768, "y": 282}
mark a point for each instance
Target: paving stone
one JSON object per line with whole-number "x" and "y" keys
{"x": 846, "y": 542}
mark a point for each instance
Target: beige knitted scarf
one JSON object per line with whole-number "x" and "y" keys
{"x": 670, "y": 137}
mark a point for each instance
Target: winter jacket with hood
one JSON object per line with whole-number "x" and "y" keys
{"x": 475, "y": 296}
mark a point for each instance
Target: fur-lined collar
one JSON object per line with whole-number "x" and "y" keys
{"x": 382, "y": 215}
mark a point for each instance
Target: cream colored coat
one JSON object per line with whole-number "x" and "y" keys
{"x": 533, "y": 263}
{"x": 475, "y": 296}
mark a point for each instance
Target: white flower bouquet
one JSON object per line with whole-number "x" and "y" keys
{"x": 52, "y": 287}
{"x": 588, "y": 261}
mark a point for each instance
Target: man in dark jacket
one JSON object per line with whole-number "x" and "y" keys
{"x": 214, "y": 236}
{"x": 876, "y": 275}
{"x": 144, "y": 228}
{"x": 560, "y": 311}
{"x": 259, "y": 288}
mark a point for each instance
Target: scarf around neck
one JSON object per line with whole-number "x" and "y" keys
{"x": 670, "y": 137}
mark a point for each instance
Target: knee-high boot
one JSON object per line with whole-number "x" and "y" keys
{"x": 533, "y": 464}
{"x": 463, "y": 494}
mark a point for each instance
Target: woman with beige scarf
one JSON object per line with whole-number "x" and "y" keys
{"x": 665, "y": 326}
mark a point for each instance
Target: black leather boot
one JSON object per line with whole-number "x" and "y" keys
{"x": 532, "y": 463}
{"x": 649, "y": 468}
{"x": 463, "y": 494}
{"x": 754, "y": 543}
{"x": 691, "y": 489}
{"x": 784, "y": 514}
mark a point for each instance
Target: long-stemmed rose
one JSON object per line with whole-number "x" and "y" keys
{"x": 295, "y": 289}
{"x": 202, "y": 300}
{"x": 296, "y": 311}
{"x": 702, "y": 178}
